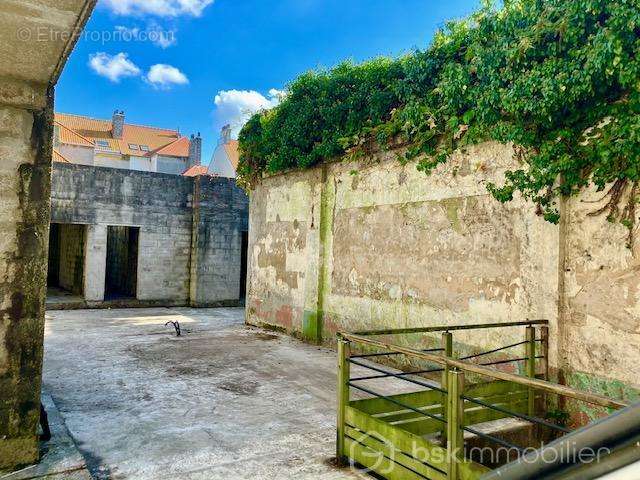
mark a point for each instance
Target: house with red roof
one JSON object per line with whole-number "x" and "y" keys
{"x": 117, "y": 144}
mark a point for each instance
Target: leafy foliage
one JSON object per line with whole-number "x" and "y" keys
{"x": 560, "y": 79}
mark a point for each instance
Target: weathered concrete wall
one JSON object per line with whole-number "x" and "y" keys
{"x": 162, "y": 207}
{"x": 222, "y": 216}
{"x": 25, "y": 162}
{"x": 95, "y": 263}
{"x": 377, "y": 244}
{"x": 600, "y": 302}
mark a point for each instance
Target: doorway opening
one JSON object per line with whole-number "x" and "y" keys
{"x": 65, "y": 277}
{"x": 122, "y": 263}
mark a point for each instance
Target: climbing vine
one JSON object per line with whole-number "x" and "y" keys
{"x": 559, "y": 79}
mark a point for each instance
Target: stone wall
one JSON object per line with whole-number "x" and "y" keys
{"x": 162, "y": 207}
{"x": 377, "y": 244}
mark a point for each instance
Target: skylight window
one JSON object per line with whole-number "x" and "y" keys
{"x": 144, "y": 148}
{"x": 102, "y": 143}
{"x": 133, "y": 146}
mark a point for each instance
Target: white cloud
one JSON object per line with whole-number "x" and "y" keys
{"x": 160, "y": 8}
{"x": 165, "y": 76}
{"x": 235, "y": 107}
{"x": 113, "y": 67}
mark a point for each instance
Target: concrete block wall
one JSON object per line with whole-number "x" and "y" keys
{"x": 160, "y": 205}
{"x": 218, "y": 242}
{"x": 95, "y": 263}
{"x": 377, "y": 244}
{"x": 189, "y": 252}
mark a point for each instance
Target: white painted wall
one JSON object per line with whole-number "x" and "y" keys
{"x": 76, "y": 154}
{"x": 111, "y": 161}
{"x": 142, "y": 164}
{"x": 172, "y": 165}
{"x": 221, "y": 164}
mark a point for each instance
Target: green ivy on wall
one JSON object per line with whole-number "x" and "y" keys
{"x": 560, "y": 79}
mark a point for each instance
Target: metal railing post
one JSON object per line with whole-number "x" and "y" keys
{"x": 544, "y": 346}
{"x": 455, "y": 423}
{"x": 447, "y": 345}
{"x": 544, "y": 342}
{"x": 530, "y": 367}
{"x": 344, "y": 375}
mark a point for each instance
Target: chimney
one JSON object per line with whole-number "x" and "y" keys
{"x": 226, "y": 135}
{"x": 195, "y": 150}
{"x": 117, "y": 129}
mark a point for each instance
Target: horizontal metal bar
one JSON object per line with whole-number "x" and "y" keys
{"x": 400, "y": 404}
{"x": 522, "y": 416}
{"x": 500, "y": 362}
{"x": 493, "y": 439}
{"x": 395, "y": 460}
{"x": 397, "y": 375}
{"x": 494, "y": 351}
{"x": 419, "y": 372}
{"x": 451, "y": 328}
{"x": 542, "y": 385}
{"x": 393, "y": 353}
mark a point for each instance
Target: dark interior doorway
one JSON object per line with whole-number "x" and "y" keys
{"x": 122, "y": 263}
{"x": 244, "y": 265}
{"x": 66, "y": 259}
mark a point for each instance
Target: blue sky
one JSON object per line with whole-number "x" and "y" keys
{"x": 198, "y": 64}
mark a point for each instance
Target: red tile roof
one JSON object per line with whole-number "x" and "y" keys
{"x": 71, "y": 137}
{"x": 233, "y": 152}
{"x": 178, "y": 148}
{"x": 196, "y": 170}
{"x": 85, "y": 131}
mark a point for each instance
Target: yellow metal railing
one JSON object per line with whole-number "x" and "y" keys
{"x": 388, "y": 433}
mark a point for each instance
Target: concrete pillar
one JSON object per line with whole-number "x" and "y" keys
{"x": 95, "y": 263}
{"x": 25, "y": 172}
{"x": 194, "y": 254}
{"x": 36, "y": 41}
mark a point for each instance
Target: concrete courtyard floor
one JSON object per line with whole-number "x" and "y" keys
{"x": 222, "y": 401}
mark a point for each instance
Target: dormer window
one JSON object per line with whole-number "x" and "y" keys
{"x": 133, "y": 146}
